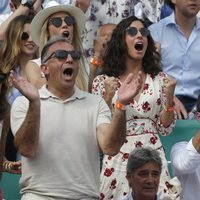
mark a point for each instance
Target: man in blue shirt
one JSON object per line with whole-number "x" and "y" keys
{"x": 179, "y": 37}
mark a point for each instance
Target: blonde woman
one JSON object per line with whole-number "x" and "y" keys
{"x": 17, "y": 49}
{"x": 64, "y": 20}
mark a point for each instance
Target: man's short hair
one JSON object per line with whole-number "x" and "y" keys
{"x": 50, "y": 42}
{"x": 170, "y": 4}
{"x": 140, "y": 156}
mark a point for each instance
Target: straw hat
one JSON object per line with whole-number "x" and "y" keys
{"x": 54, "y": 7}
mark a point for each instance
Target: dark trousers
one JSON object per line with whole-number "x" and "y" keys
{"x": 187, "y": 101}
{"x": 10, "y": 151}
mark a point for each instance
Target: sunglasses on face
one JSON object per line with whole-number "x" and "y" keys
{"x": 132, "y": 31}
{"x": 57, "y": 21}
{"x": 63, "y": 55}
{"x": 25, "y": 36}
{"x": 2, "y": 77}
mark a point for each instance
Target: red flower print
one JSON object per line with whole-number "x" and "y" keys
{"x": 153, "y": 140}
{"x": 102, "y": 196}
{"x": 113, "y": 184}
{"x": 125, "y": 157}
{"x": 146, "y": 106}
{"x": 139, "y": 144}
{"x": 146, "y": 86}
{"x": 108, "y": 172}
{"x": 158, "y": 101}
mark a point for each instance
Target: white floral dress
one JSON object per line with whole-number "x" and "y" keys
{"x": 143, "y": 125}
{"x": 113, "y": 11}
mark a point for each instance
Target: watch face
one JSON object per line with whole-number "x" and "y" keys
{"x": 23, "y": 2}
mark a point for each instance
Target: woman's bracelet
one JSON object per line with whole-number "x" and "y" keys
{"x": 119, "y": 106}
{"x": 169, "y": 109}
{"x": 95, "y": 61}
{"x": 6, "y": 166}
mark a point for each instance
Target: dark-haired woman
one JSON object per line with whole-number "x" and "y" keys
{"x": 132, "y": 50}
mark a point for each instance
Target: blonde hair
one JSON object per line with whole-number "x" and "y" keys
{"x": 10, "y": 48}
{"x": 44, "y": 37}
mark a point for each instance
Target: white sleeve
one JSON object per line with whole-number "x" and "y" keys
{"x": 184, "y": 158}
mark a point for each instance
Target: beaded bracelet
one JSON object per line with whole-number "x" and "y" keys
{"x": 119, "y": 106}
{"x": 6, "y": 166}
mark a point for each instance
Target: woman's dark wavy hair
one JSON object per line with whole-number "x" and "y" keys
{"x": 170, "y": 4}
{"x": 114, "y": 60}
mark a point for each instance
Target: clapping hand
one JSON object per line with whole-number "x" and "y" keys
{"x": 26, "y": 88}
{"x": 130, "y": 88}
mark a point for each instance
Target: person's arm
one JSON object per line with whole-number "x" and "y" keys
{"x": 180, "y": 109}
{"x": 21, "y": 10}
{"x": 27, "y": 136}
{"x": 5, "y": 129}
{"x": 96, "y": 60}
{"x": 185, "y": 157}
{"x": 167, "y": 114}
{"x": 34, "y": 74}
{"x": 11, "y": 166}
{"x": 83, "y": 4}
{"x": 112, "y": 136}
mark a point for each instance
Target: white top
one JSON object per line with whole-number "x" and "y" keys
{"x": 67, "y": 162}
{"x": 185, "y": 162}
{"x": 4, "y": 17}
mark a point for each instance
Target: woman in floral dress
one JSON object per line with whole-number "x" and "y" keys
{"x": 130, "y": 50}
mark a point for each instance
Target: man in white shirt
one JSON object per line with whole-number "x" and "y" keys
{"x": 185, "y": 161}
{"x": 60, "y": 130}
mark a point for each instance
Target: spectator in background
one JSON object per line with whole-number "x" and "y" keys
{"x": 49, "y": 22}
{"x": 89, "y": 128}
{"x": 131, "y": 49}
{"x": 112, "y": 11}
{"x": 17, "y": 49}
{"x": 144, "y": 169}
{"x": 18, "y": 9}
{"x": 179, "y": 38}
{"x": 166, "y": 10}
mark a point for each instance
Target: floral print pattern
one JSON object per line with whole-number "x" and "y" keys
{"x": 143, "y": 125}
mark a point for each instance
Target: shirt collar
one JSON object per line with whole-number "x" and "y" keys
{"x": 171, "y": 20}
{"x": 45, "y": 94}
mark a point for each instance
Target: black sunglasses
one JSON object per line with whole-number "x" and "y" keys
{"x": 2, "y": 77}
{"x": 57, "y": 21}
{"x": 25, "y": 36}
{"x": 63, "y": 55}
{"x": 132, "y": 31}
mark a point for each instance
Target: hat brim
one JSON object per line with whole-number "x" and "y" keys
{"x": 40, "y": 18}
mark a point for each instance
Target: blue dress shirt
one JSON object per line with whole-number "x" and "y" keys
{"x": 180, "y": 56}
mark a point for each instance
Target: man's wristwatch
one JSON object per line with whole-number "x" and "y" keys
{"x": 27, "y": 3}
